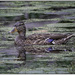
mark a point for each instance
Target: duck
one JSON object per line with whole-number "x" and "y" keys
{"x": 25, "y": 43}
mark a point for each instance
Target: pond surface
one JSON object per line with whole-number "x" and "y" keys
{"x": 39, "y": 17}
{"x": 56, "y": 60}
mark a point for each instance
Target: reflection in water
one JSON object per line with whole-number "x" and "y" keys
{"x": 51, "y": 60}
{"x": 46, "y": 49}
{"x": 36, "y": 49}
{"x": 51, "y": 63}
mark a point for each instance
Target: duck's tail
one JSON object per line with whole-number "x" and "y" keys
{"x": 63, "y": 40}
{"x": 68, "y": 37}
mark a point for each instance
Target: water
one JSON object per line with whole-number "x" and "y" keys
{"x": 45, "y": 17}
{"x": 54, "y": 62}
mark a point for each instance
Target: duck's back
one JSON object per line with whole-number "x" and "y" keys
{"x": 48, "y": 35}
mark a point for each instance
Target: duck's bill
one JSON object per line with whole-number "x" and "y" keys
{"x": 13, "y": 30}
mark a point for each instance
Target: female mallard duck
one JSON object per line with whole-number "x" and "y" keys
{"x": 24, "y": 43}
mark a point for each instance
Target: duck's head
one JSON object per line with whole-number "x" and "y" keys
{"x": 19, "y": 27}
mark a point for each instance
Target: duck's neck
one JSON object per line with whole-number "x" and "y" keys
{"x": 22, "y": 35}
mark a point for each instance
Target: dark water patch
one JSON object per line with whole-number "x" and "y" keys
{"x": 60, "y": 8}
{"x": 43, "y": 15}
{"x": 68, "y": 27}
{"x": 36, "y": 15}
{"x": 59, "y": 13}
{"x": 18, "y": 18}
{"x": 10, "y": 39}
{"x": 32, "y": 29}
{"x": 66, "y": 21}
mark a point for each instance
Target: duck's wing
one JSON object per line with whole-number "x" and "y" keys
{"x": 44, "y": 36}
